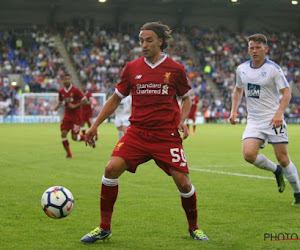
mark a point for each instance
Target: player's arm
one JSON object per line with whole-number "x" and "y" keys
{"x": 236, "y": 100}
{"x": 109, "y": 107}
{"x": 277, "y": 120}
{"x": 83, "y": 101}
{"x": 185, "y": 110}
{"x": 59, "y": 104}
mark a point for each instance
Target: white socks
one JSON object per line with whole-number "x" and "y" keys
{"x": 120, "y": 133}
{"x": 264, "y": 163}
{"x": 290, "y": 171}
{"x": 189, "y": 194}
{"x": 109, "y": 182}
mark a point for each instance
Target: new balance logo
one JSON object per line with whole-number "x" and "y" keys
{"x": 183, "y": 164}
{"x": 138, "y": 76}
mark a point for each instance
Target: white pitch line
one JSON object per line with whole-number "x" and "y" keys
{"x": 224, "y": 166}
{"x": 231, "y": 173}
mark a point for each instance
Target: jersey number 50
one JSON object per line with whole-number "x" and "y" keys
{"x": 177, "y": 154}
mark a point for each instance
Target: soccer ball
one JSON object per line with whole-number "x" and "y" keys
{"x": 57, "y": 202}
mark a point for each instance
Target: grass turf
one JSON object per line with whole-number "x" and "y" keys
{"x": 235, "y": 211}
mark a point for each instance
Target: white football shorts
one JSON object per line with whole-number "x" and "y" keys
{"x": 122, "y": 121}
{"x": 268, "y": 133}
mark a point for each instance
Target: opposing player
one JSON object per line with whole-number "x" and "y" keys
{"x": 191, "y": 119}
{"x": 154, "y": 81}
{"x": 122, "y": 114}
{"x": 264, "y": 81}
{"x": 73, "y": 98}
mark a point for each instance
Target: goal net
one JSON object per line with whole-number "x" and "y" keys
{"x": 39, "y": 108}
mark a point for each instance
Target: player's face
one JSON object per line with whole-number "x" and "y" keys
{"x": 257, "y": 51}
{"x": 150, "y": 44}
{"x": 67, "y": 81}
{"x": 84, "y": 88}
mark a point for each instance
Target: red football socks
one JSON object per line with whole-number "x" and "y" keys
{"x": 190, "y": 207}
{"x": 108, "y": 198}
{"x": 67, "y": 147}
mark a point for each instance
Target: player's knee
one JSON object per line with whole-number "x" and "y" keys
{"x": 64, "y": 134}
{"x": 114, "y": 169}
{"x": 74, "y": 137}
{"x": 184, "y": 187}
{"x": 250, "y": 157}
{"x": 111, "y": 173}
{"x": 283, "y": 161}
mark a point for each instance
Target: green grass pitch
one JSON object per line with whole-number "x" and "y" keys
{"x": 236, "y": 208}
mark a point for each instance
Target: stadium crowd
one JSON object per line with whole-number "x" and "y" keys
{"x": 221, "y": 51}
{"x": 100, "y": 53}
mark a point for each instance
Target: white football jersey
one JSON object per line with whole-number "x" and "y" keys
{"x": 124, "y": 108}
{"x": 262, "y": 90}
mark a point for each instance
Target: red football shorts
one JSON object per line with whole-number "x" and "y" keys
{"x": 71, "y": 125}
{"x": 165, "y": 148}
{"x": 192, "y": 116}
{"x": 87, "y": 117}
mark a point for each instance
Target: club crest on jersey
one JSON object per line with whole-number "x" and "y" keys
{"x": 167, "y": 77}
{"x": 118, "y": 146}
{"x": 264, "y": 74}
{"x": 253, "y": 90}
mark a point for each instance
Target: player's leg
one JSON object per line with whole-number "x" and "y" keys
{"x": 250, "y": 147}
{"x": 124, "y": 128}
{"x": 289, "y": 169}
{"x": 64, "y": 128}
{"x": 251, "y": 154}
{"x": 194, "y": 125}
{"x": 65, "y": 142}
{"x": 189, "y": 203}
{"x": 109, "y": 192}
{"x": 120, "y": 132}
{"x": 83, "y": 128}
{"x": 76, "y": 133}
{"x": 188, "y": 124}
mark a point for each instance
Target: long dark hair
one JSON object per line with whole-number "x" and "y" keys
{"x": 162, "y": 31}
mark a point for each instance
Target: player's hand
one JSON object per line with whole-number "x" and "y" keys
{"x": 56, "y": 107}
{"x": 233, "y": 117}
{"x": 72, "y": 105}
{"x": 276, "y": 121}
{"x": 90, "y": 136}
{"x": 183, "y": 128}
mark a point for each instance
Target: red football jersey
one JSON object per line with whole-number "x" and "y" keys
{"x": 87, "y": 108}
{"x": 154, "y": 88}
{"x": 71, "y": 95}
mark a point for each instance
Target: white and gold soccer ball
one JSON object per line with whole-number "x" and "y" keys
{"x": 57, "y": 202}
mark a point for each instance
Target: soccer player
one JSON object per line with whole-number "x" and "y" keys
{"x": 122, "y": 114}
{"x": 86, "y": 109}
{"x": 73, "y": 98}
{"x": 191, "y": 119}
{"x": 264, "y": 81}
{"x": 153, "y": 81}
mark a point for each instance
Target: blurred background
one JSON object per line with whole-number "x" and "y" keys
{"x": 93, "y": 40}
